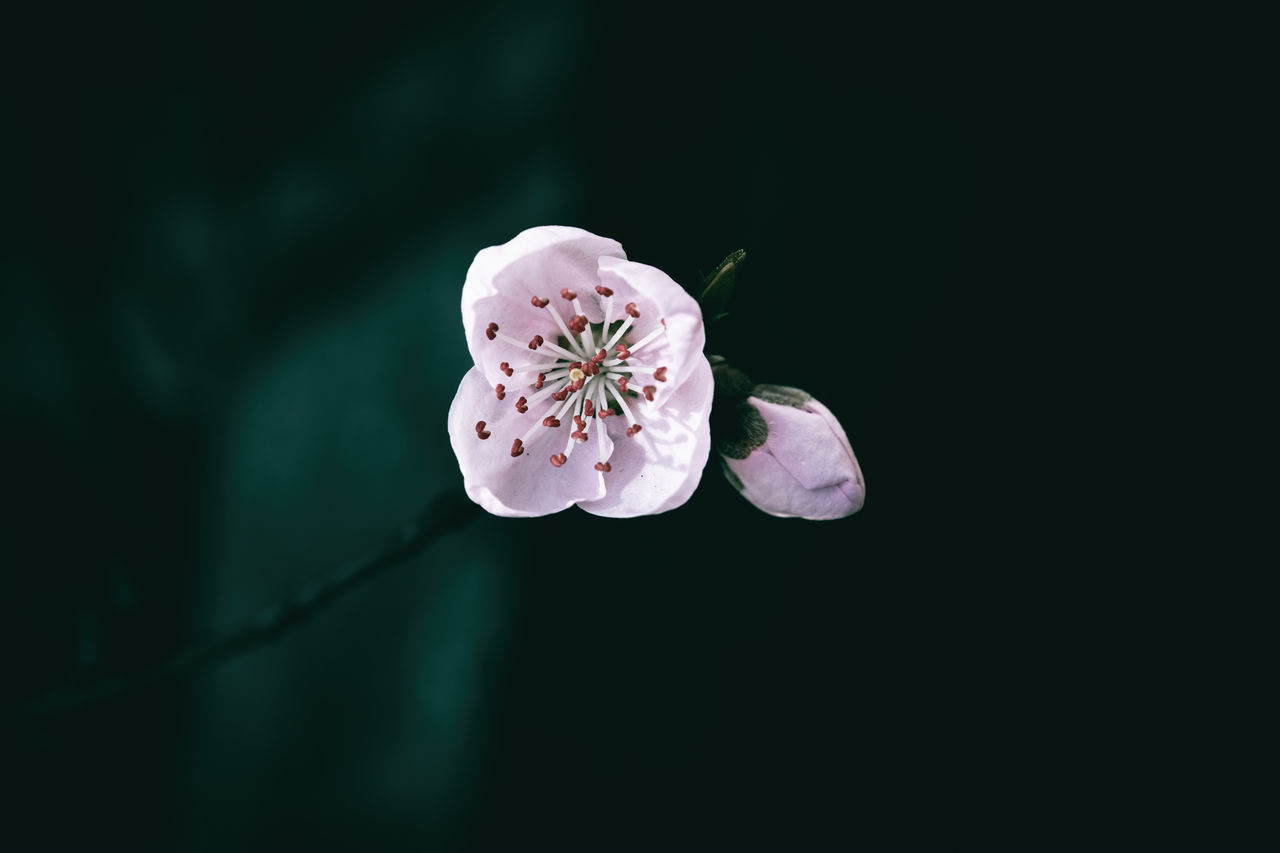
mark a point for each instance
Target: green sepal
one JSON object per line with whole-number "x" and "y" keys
{"x": 714, "y": 300}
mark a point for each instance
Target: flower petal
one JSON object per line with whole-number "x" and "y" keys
{"x": 680, "y": 349}
{"x": 659, "y": 469}
{"x": 502, "y": 280}
{"x": 526, "y": 485}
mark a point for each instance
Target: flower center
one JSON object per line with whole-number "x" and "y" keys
{"x": 583, "y": 374}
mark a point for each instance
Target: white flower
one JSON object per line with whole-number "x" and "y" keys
{"x": 589, "y": 385}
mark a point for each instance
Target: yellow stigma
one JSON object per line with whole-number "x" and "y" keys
{"x": 577, "y": 375}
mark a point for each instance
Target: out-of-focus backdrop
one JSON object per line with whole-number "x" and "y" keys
{"x": 234, "y": 237}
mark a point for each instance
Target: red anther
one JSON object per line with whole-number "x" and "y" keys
{"x": 648, "y": 392}
{"x": 591, "y": 368}
{"x": 505, "y": 368}
{"x": 578, "y": 324}
{"x": 522, "y": 405}
{"x": 605, "y": 413}
{"x": 588, "y": 408}
{"x": 558, "y": 459}
{"x": 579, "y": 422}
{"x": 517, "y": 447}
{"x": 536, "y": 342}
{"x": 660, "y": 374}
{"x": 577, "y": 386}
{"x": 566, "y": 293}
{"x": 492, "y": 331}
{"x": 539, "y": 303}
{"x": 603, "y": 466}
{"x": 633, "y": 429}
{"x": 623, "y": 352}
{"x": 481, "y": 431}
{"x": 622, "y": 385}
{"x": 603, "y": 291}
{"x": 631, "y": 309}
{"x": 577, "y": 365}
{"x": 542, "y": 377}
{"x": 600, "y": 356}
{"x": 578, "y": 434}
{"x": 501, "y": 389}
{"x": 559, "y": 396}
{"x": 551, "y": 421}
{"x": 663, "y": 321}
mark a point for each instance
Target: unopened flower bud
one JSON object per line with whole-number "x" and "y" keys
{"x": 790, "y": 457}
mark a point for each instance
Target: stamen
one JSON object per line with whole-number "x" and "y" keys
{"x": 536, "y": 342}
{"x": 622, "y": 330}
{"x": 600, "y": 356}
{"x": 522, "y": 405}
{"x": 505, "y": 368}
{"x": 564, "y": 330}
{"x": 510, "y": 340}
{"x": 579, "y": 422}
{"x": 539, "y": 303}
{"x": 589, "y": 408}
{"x": 660, "y": 374}
{"x": 631, "y": 310}
{"x": 604, "y": 466}
{"x": 567, "y": 294}
{"x": 535, "y": 367}
{"x": 542, "y": 377}
{"x": 603, "y": 291}
{"x": 626, "y": 410}
{"x": 622, "y": 383}
{"x": 588, "y": 336}
{"x": 633, "y": 429}
{"x": 600, "y": 398}
{"x": 563, "y": 354}
{"x": 492, "y": 331}
{"x": 481, "y": 431}
{"x": 558, "y": 459}
{"x": 501, "y": 391}
{"x": 648, "y": 338}
{"x": 648, "y": 392}
{"x": 623, "y": 353}
{"x": 551, "y": 421}
{"x": 517, "y": 447}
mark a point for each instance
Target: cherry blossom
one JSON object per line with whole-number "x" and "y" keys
{"x": 589, "y": 386}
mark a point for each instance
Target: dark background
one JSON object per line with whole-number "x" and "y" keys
{"x": 234, "y": 239}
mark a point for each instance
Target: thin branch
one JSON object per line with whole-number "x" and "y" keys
{"x": 448, "y": 512}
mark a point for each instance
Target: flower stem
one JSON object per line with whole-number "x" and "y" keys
{"x": 448, "y": 512}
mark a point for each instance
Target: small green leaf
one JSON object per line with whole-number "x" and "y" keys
{"x": 719, "y": 286}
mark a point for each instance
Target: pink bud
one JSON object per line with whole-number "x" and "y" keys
{"x": 791, "y": 457}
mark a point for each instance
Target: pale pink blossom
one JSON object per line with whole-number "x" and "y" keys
{"x": 589, "y": 386}
{"x": 792, "y": 458}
